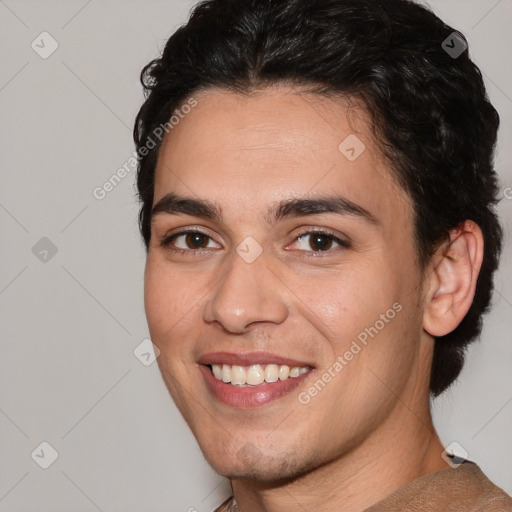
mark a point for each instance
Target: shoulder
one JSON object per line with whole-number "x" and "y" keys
{"x": 461, "y": 489}
{"x": 472, "y": 487}
{"x": 490, "y": 497}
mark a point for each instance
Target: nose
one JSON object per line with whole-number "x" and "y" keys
{"x": 248, "y": 293}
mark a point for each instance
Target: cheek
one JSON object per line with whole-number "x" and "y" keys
{"x": 346, "y": 300}
{"x": 169, "y": 299}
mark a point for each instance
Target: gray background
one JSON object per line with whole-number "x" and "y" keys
{"x": 69, "y": 324}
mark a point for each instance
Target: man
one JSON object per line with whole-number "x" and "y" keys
{"x": 318, "y": 194}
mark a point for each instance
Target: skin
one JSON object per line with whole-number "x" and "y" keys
{"x": 369, "y": 431}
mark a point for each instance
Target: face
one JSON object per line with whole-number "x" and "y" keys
{"x": 274, "y": 246}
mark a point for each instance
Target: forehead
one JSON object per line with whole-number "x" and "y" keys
{"x": 244, "y": 151}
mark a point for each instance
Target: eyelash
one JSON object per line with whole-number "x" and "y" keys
{"x": 343, "y": 244}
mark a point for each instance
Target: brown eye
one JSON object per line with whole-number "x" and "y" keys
{"x": 189, "y": 241}
{"x": 320, "y": 242}
{"x": 196, "y": 240}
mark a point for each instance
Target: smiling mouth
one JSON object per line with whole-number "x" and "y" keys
{"x": 255, "y": 374}
{"x": 252, "y": 379}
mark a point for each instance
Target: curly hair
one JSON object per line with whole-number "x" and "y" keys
{"x": 429, "y": 109}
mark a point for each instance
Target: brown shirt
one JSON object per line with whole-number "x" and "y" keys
{"x": 461, "y": 489}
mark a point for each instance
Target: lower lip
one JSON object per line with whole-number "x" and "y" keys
{"x": 250, "y": 396}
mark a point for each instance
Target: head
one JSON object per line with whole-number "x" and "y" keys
{"x": 336, "y": 164}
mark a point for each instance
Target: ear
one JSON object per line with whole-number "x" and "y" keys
{"x": 451, "y": 282}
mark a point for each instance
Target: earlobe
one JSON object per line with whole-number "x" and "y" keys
{"x": 452, "y": 280}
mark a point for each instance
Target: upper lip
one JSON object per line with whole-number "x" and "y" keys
{"x": 248, "y": 358}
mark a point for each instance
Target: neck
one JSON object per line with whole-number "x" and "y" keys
{"x": 403, "y": 448}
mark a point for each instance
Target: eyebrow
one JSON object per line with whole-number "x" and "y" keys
{"x": 175, "y": 205}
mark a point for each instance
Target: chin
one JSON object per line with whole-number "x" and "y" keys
{"x": 249, "y": 463}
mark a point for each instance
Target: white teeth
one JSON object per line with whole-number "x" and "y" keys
{"x": 255, "y": 374}
{"x": 294, "y": 372}
{"x": 226, "y": 373}
{"x": 271, "y": 373}
{"x": 217, "y": 371}
{"x": 237, "y": 375}
{"x": 284, "y": 372}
